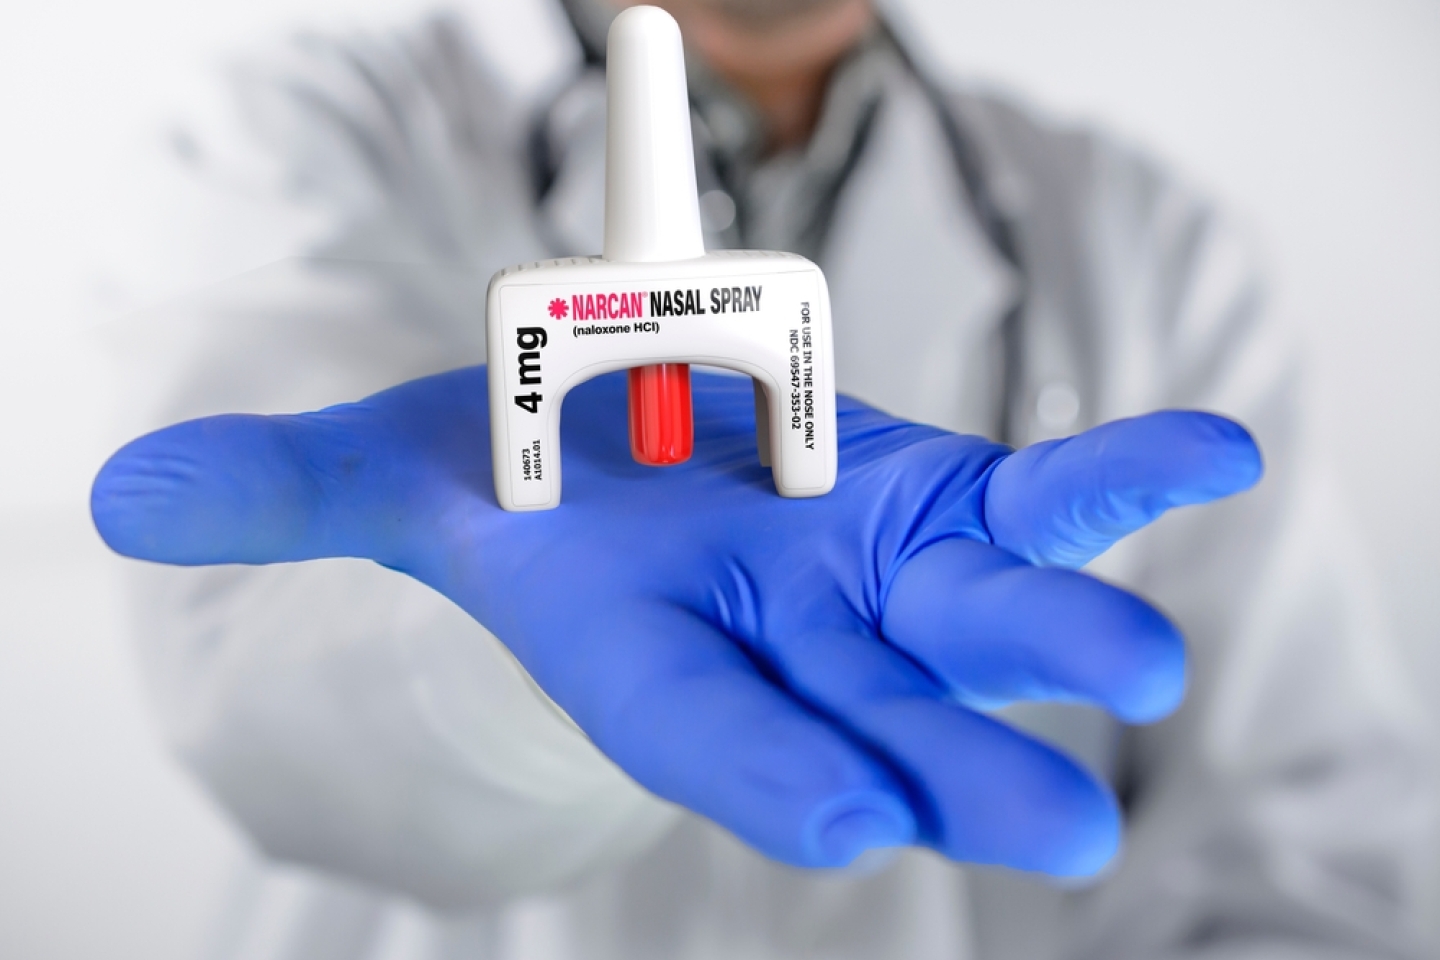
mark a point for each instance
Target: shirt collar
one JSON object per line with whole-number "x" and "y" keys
{"x": 783, "y": 201}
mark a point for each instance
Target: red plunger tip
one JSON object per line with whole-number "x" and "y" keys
{"x": 662, "y": 427}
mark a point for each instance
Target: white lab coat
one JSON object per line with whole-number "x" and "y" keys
{"x": 356, "y": 723}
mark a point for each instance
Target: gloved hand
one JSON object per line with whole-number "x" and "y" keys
{"x": 805, "y": 673}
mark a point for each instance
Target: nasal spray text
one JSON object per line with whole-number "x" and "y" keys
{"x": 655, "y": 303}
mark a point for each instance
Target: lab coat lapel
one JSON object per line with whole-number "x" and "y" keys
{"x": 917, "y": 291}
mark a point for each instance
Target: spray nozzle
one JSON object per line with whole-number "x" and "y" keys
{"x": 652, "y": 212}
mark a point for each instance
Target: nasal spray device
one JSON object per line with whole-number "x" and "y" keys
{"x": 655, "y": 303}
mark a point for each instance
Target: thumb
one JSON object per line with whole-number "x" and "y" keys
{"x": 237, "y": 489}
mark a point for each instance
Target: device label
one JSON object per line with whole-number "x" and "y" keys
{"x": 556, "y": 335}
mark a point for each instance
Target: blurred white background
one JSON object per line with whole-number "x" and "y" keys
{"x": 1317, "y": 119}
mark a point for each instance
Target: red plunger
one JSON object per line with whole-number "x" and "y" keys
{"x": 662, "y": 427}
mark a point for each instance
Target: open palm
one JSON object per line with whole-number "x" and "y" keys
{"x": 810, "y": 674}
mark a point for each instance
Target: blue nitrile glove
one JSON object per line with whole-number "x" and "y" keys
{"x": 802, "y": 672}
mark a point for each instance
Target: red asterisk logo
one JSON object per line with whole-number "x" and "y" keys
{"x": 559, "y": 309}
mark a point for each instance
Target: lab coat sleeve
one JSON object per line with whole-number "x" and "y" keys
{"x": 345, "y": 716}
{"x": 1285, "y": 811}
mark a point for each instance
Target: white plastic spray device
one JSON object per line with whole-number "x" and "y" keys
{"x": 655, "y": 303}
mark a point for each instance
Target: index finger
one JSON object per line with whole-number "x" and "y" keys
{"x": 1065, "y": 502}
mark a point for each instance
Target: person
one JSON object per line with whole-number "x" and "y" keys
{"x": 993, "y": 273}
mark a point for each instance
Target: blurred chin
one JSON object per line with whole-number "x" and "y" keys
{"x": 764, "y": 11}
{"x": 748, "y": 12}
